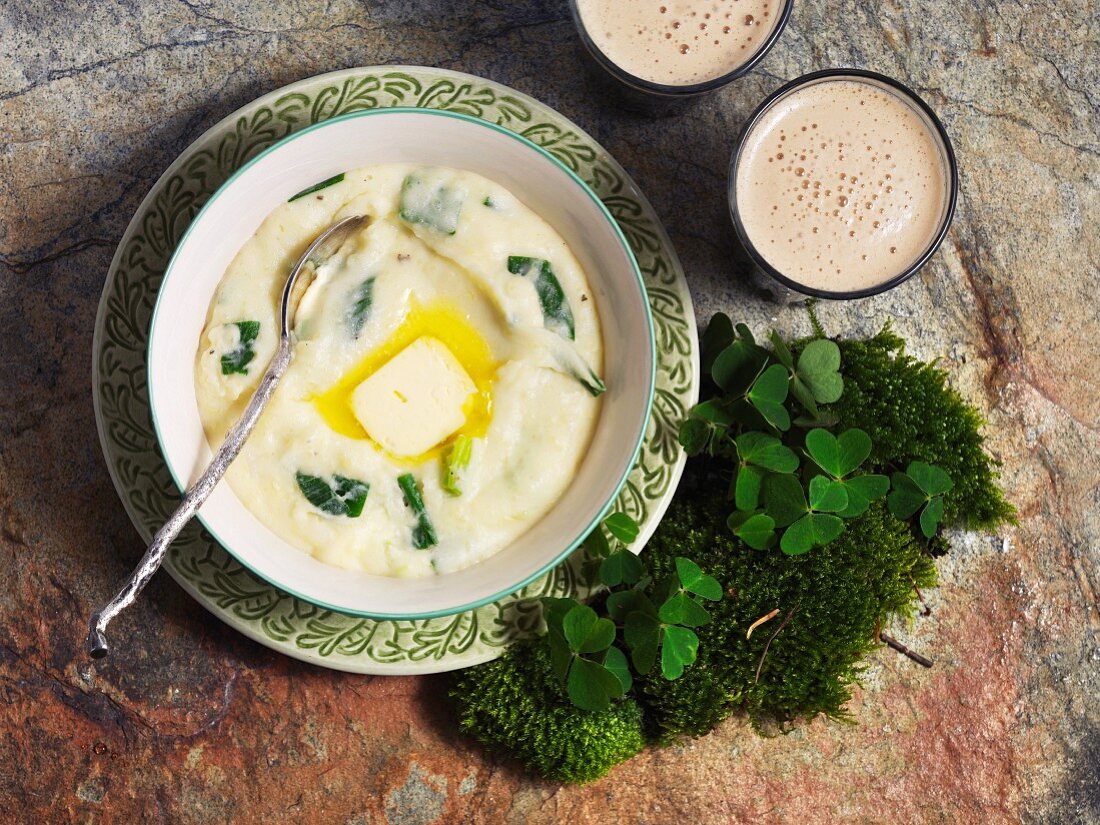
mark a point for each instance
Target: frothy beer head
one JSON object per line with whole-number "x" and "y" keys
{"x": 680, "y": 42}
{"x": 842, "y": 184}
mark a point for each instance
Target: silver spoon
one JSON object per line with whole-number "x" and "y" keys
{"x": 324, "y": 247}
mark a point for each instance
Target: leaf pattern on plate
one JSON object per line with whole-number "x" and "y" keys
{"x": 226, "y": 588}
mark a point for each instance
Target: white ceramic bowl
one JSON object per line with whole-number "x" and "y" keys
{"x": 435, "y": 138}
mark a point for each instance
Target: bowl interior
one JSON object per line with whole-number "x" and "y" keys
{"x": 404, "y": 136}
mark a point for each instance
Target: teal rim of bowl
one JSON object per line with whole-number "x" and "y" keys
{"x": 592, "y": 525}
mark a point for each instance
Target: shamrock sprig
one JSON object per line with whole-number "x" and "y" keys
{"x": 920, "y": 487}
{"x": 582, "y": 656}
{"x": 840, "y": 456}
{"x": 651, "y": 620}
{"x": 794, "y": 482}
{"x": 757, "y": 386}
{"x": 659, "y": 619}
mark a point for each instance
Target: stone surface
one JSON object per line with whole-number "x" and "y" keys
{"x": 196, "y": 724}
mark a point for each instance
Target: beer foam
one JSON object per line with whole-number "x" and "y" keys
{"x": 679, "y": 42}
{"x": 842, "y": 184}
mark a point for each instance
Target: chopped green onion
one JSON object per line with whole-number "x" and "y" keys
{"x": 317, "y": 187}
{"x": 423, "y": 535}
{"x": 455, "y": 460}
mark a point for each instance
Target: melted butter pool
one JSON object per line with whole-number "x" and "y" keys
{"x": 446, "y": 323}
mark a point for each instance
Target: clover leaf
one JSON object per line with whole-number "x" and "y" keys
{"x": 807, "y": 525}
{"x": 585, "y": 631}
{"x": 906, "y": 497}
{"x": 766, "y": 451}
{"x": 694, "y": 580}
{"x": 679, "y": 606}
{"x": 575, "y": 629}
{"x": 737, "y": 366}
{"x": 768, "y": 393}
{"x": 613, "y": 567}
{"x": 642, "y": 632}
{"x": 755, "y": 529}
{"x": 678, "y": 650}
{"x": 801, "y": 391}
{"x": 805, "y": 396}
{"x": 705, "y": 422}
{"x": 920, "y": 486}
{"x": 746, "y": 416}
{"x": 591, "y": 686}
{"x": 718, "y": 335}
{"x": 622, "y": 527}
{"x": 827, "y": 495}
{"x": 782, "y": 352}
{"x": 784, "y": 499}
{"x": 622, "y": 603}
{"x": 745, "y": 334}
{"x": 650, "y": 632}
{"x": 812, "y": 530}
{"x": 615, "y": 661}
{"x": 621, "y": 567}
{"x": 931, "y": 516}
{"x": 597, "y": 544}
{"x": 684, "y": 610}
{"x": 819, "y": 370}
{"x": 932, "y": 480}
{"x": 746, "y": 487}
{"x": 554, "y": 610}
{"x": 561, "y": 657}
{"x": 590, "y": 659}
{"x": 862, "y": 490}
{"x": 838, "y": 455}
{"x": 694, "y": 435}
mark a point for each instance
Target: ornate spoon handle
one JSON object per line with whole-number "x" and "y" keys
{"x": 323, "y": 247}
{"x": 192, "y": 501}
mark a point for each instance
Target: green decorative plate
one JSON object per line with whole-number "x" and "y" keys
{"x": 202, "y": 567}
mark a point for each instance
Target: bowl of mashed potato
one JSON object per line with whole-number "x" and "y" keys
{"x": 472, "y": 375}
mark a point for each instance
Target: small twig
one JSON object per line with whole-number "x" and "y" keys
{"x": 900, "y": 648}
{"x": 767, "y": 645}
{"x": 926, "y": 610}
{"x": 760, "y": 621}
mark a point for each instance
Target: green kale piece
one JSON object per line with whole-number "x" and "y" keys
{"x": 236, "y": 361}
{"x": 360, "y": 310}
{"x": 833, "y": 601}
{"x": 557, "y": 316}
{"x": 344, "y": 497}
{"x": 427, "y": 200}
{"x": 913, "y": 414}
{"x": 514, "y": 705}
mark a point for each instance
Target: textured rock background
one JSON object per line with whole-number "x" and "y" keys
{"x": 197, "y": 724}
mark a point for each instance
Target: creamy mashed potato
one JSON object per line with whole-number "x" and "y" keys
{"x": 456, "y": 325}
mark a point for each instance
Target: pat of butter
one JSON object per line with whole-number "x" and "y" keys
{"x": 415, "y": 400}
